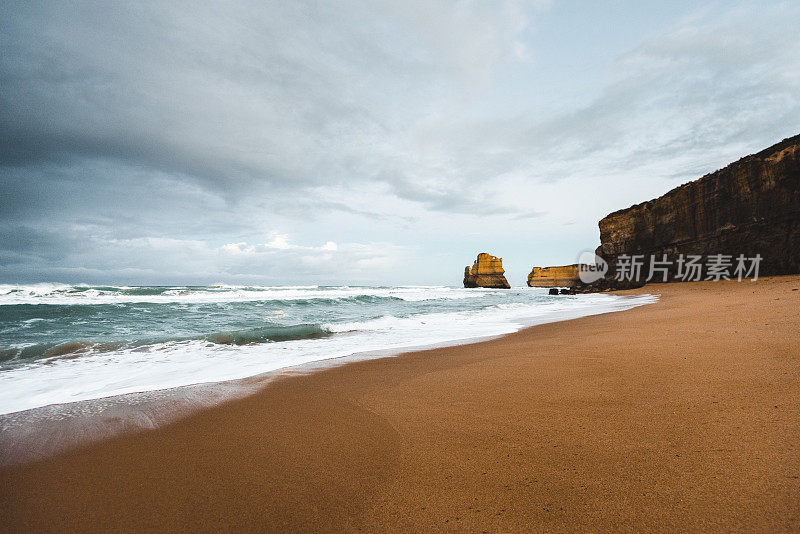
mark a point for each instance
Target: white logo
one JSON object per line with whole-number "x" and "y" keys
{"x": 591, "y": 267}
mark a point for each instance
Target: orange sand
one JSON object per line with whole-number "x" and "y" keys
{"x": 682, "y": 415}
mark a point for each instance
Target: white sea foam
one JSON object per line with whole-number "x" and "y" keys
{"x": 60, "y": 294}
{"x": 179, "y": 363}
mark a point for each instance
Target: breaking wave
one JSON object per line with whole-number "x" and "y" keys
{"x": 63, "y": 343}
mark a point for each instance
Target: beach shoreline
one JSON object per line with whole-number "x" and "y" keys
{"x": 42, "y": 431}
{"x": 680, "y": 415}
{"x": 68, "y": 344}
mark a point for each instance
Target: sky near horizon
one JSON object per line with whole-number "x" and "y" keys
{"x": 348, "y": 142}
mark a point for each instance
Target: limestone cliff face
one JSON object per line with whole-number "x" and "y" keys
{"x": 750, "y": 207}
{"x": 487, "y": 271}
{"x": 562, "y": 276}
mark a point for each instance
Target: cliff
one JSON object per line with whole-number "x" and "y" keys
{"x": 750, "y": 207}
{"x": 562, "y": 276}
{"x": 487, "y": 271}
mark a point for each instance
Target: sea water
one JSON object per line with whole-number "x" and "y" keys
{"x": 66, "y": 343}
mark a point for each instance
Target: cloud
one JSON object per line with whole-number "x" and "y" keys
{"x": 179, "y": 261}
{"x": 156, "y": 139}
{"x": 709, "y": 89}
{"x": 285, "y": 94}
{"x": 277, "y": 241}
{"x": 259, "y": 98}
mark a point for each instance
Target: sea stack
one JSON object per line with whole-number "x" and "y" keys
{"x": 561, "y": 276}
{"x": 487, "y": 271}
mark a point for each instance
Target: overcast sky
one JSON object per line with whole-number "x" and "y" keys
{"x": 382, "y": 142}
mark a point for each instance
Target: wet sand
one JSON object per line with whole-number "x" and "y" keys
{"x": 681, "y": 415}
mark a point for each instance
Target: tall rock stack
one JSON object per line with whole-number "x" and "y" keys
{"x": 750, "y": 207}
{"x": 487, "y": 271}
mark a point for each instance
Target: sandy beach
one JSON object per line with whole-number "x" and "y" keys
{"x": 676, "y": 416}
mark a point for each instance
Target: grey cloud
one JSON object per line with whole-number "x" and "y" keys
{"x": 209, "y": 123}
{"x": 23, "y": 244}
{"x": 250, "y": 95}
{"x": 708, "y": 90}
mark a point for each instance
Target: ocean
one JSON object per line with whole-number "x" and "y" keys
{"x": 65, "y": 343}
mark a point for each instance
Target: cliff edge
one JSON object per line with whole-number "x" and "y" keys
{"x": 750, "y": 207}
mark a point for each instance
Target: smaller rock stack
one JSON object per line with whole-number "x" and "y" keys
{"x": 487, "y": 271}
{"x": 561, "y": 276}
